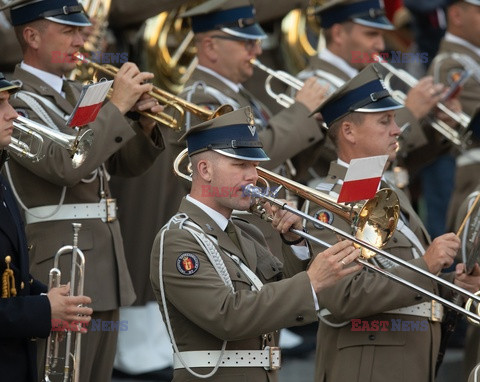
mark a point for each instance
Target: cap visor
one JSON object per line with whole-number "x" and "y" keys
{"x": 247, "y": 153}
{"x": 8, "y": 86}
{"x": 385, "y": 104}
{"x": 380, "y": 22}
{"x": 76, "y": 19}
{"x": 253, "y": 32}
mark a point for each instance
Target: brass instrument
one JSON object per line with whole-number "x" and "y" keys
{"x": 302, "y": 37}
{"x": 281, "y": 98}
{"x": 373, "y": 222}
{"x": 95, "y": 43}
{"x": 465, "y": 61}
{"x": 28, "y": 141}
{"x": 68, "y": 365}
{"x": 469, "y": 233}
{"x": 460, "y": 138}
{"x": 169, "y": 49}
{"x": 369, "y": 214}
{"x": 179, "y": 105}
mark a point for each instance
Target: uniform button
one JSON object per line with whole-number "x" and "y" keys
{"x": 371, "y": 337}
{"x": 333, "y": 177}
{"x": 299, "y": 318}
{"x": 395, "y": 239}
{"x": 30, "y": 247}
{"x": 418, "y": 297}
{"x": 274, "y": 268}
{"x": 239, "y": 275}
{"x": 269, "y": 337}
{"x": 311, "y": 139}
{"x": 22, "y": 285}
{"x": 118, "y": 139}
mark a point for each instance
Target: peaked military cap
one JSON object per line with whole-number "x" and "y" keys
{"x": 7, "y": 85}
{"x": 233, "y": 134}
{"x": 68, "y": 12}
{"x": 365, "y": 93}
{"x": 234, "y": 17}
{"x": 370, "y": 13}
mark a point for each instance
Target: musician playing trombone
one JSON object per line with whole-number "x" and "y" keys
{"x": 221, "y": 291}
{"x": 26, "y": 310}
{"x": 52, "y": 193}
{"x": 372, "y": 328}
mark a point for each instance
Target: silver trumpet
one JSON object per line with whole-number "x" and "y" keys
{"x": 286, "y": 78}
{"x": 29, "y": 139}
{"x": 68, "y": 365}
{"x": 460, "y": 138}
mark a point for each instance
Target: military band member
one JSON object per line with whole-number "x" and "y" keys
{"x": 462, "y": 38}
{"x": 26, "y": 310}
{"x": 354, "y": 32}
{"x": 52, "y": 192}
{"x": 352, "y": 344}
{"x": 221, "y": 292}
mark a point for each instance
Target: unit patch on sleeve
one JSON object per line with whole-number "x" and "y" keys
{"x": 188, "y": 264}
{"x": 324, "y": 216}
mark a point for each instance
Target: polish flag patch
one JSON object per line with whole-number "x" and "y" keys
{"x": 362, "y": 179}
{"x": 89, "y": 104}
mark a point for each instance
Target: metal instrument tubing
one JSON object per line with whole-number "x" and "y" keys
{"x": 256, "y": 192}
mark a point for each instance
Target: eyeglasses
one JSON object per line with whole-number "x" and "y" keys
{"x": 249, "y": 44}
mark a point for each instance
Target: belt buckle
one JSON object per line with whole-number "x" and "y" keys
{"x": 271, "y": 351}
{"x": 111, "y": 216}
{"x": 435, "y": 311}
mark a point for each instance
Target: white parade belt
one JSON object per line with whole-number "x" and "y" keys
{"x": 269, "y": 358}
{"x": 106, "y": 210}
{"x": 431, "y": 310}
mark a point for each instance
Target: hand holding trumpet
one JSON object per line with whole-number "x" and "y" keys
{"x": 69, "y": 308}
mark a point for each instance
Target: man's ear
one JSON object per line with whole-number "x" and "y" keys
{"x": 32, "y": 37}
{"x": 209, "y": 48}
{"x": 347, "y": 131}
{"x": 204, "y": 169}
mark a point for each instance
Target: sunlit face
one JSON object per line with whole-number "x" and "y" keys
{"x": 376, "y": 135}
{"x": 55, "y": 47}
{"x": 234, "y": 56}
{"x": 7, "y": 115}
{"x": 228, "y": 179}
{"x": 360, "y": 43}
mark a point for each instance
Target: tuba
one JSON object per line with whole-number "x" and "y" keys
{"x": 66, "y": 364}
{"x": 28, "y": 141}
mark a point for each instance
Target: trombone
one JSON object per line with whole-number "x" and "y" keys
{"x": 70, "y": 369}
{"x": 29, "y": 141}
{"x": 460, "y": 137}
{"x": 179, "y": 105}
{"x": 371, "y": 219}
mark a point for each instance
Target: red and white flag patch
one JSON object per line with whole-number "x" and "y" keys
{"x": 89, "y": 104}
{"x": 362, "y": 179}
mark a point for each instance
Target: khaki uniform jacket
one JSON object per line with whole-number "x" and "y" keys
{"x": 125, "y": 150}
{"x": 370, "y": 353}
{"x": 469, "y": 97}
{"x": 204, "y": 312}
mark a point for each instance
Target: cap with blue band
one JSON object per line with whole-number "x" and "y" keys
{"x": 233, "y": 134}
{"x": 235, "y": 17}
{"x": 365, "y": 93}
{"x": 7, "y": 85}
{"x": 369, "y": 13}
{"x": 68, "y": 12}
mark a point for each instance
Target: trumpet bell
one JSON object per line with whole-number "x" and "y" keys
{"x": 81, "y": 148}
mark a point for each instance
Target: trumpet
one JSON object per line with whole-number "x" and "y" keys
{"x": 29, "y": 141}
{"x": 283, "y": 99}
{"x": 370, "y": 216}
{"x": 460, "y": 138}
{"x": 179, "y": 105}
{"x": 67, "y": 366}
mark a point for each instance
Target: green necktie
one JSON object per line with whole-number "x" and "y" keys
{"x": 232, "y": 234}
{"x": 69, "y": 96}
